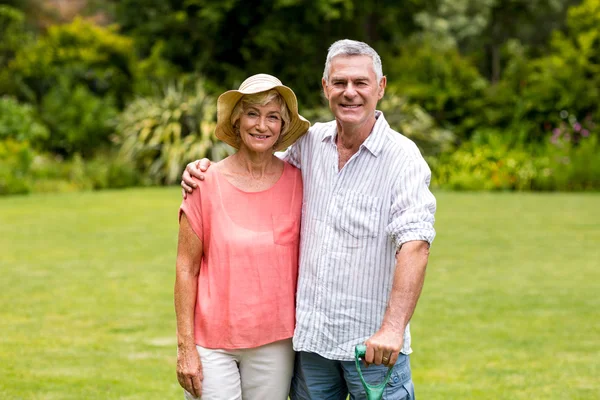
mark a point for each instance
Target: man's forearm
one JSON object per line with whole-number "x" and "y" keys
{"x": 409, "y": 275}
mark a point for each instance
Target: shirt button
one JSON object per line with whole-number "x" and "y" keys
{"x": 395, "y": 379}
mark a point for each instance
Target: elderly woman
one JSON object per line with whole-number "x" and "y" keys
{"x": 237, "y": 256}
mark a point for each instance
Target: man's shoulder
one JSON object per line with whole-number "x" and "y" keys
{"x": 396, "y": 142}
{"x": 321, "y": 129}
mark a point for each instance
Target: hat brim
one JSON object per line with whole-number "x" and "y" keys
{"x": 226, "y": 102}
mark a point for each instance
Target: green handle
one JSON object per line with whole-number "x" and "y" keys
{"x": 374, "y": 392}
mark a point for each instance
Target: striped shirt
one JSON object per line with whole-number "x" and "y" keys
{"x": 353, "y": 221}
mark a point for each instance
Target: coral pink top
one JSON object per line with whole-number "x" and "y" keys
{"x": 249, "y": 268}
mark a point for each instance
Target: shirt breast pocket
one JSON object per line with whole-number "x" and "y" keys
{"x": 286, "y": 229}
{"x": 360, "y": 215}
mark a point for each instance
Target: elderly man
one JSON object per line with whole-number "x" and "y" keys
{"x": 367, "y": 223}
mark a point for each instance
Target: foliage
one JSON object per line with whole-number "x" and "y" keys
{"x": 533, "y": 93}
{"x": 106, "y": 170}
{"x": 440, "y": 80}
{"x": 15, "y": 163}
{"x": 569, "y": 160}
{"x": 482, "y": 27}
{"x": 80, "y": 121}
{"x": 19, "y": 122}
{"x": 154, "y": 72}
{"x": 13, "y": 33}
{"x": 493, "y": 166}
{"x": 80, "y": 51}
{"x": 229, "y": 40}
{"x": 160, "y": 134}
{"x": 415, "y": 123}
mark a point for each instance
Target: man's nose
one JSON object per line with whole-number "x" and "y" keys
{"x": 350, "y": 91}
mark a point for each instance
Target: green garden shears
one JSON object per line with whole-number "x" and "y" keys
{"x": 374, "y": 392}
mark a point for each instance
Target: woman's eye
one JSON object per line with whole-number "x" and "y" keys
{"x": 274, "y": 118}
{"x": 252, "y": 114}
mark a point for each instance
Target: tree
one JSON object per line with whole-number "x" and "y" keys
{"x": 229, "y": 40}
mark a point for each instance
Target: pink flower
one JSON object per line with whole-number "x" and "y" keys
{"x": 585, "y": 133}
{"x": 577, "y": 126}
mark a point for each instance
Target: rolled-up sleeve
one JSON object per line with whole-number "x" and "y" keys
{"x": 413, "y": 205}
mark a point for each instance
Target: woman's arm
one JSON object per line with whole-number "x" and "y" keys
{"x": 189, "y": 255}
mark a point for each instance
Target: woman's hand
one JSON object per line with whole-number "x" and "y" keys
{"x": 196, "y": 169}
{"x": 189, "y": 370}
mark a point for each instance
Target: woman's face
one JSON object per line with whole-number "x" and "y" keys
{"x": 260, "y": 127}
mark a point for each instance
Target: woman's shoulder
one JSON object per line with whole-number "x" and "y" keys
{"x": 290, "y": 169}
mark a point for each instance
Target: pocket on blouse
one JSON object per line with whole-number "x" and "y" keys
{"x": 286, "y": 229}
{"x": 360, "y": 215}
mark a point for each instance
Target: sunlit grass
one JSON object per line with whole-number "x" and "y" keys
{"x": 510, "y": 307}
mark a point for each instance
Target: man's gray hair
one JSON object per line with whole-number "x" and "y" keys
{"x": 347, "y": 47}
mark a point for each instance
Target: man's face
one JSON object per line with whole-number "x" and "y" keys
{"x": 352, "y": 89}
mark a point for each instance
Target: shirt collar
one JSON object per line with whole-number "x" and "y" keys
{"x": 376, "y": 139}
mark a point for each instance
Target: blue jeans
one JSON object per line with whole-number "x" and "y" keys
{"x": 318, "y": 378}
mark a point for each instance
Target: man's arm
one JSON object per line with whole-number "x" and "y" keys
{"x": 411, "y": 262}
{"x": 411, "y": 229}
{"x": 189, "y": 254}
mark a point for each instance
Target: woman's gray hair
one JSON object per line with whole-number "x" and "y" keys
{"x": 347, "y": 47}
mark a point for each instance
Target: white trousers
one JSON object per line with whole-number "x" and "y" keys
{"x": 260, "y": 373}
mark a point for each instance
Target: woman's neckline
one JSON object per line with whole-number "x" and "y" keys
{"x": 223, "y": 177}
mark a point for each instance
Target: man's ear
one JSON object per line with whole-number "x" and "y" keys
{"x": 324, "y": 84}
{"x": 382, "y": 85}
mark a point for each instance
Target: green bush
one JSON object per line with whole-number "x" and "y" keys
{"x": 485, "y": 166}
{"x": 159, "y": 135}
{"x": 446, "y": 84}
{"x": 569, "y": 160}
{"x": 15, "y": 163}
{"x": 19, "y": 122}
{"x": 84, "y": 53}
{"x": 110, "y": 171}
{"x": 13, "y": 33}
{"x": 51, "y": 173}
{"x": 533, "y": 93}
{"x": 414, "y": 122}
{"x": 80, "y": 122}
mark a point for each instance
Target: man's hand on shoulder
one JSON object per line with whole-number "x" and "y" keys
{"x": 194, "y": 169}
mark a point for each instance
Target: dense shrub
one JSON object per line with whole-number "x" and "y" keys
{"x": 566, "y": 161}
{"x": 446, "y": 84}
{"x": 13, "y": 33}
{"x": 161, "y": 134}
{"x": 96, "y": 57}
{"x": 19, "y": 122}
{"x": 494, "y": 165}
{"x": 80, "y": 122}
{"x": 414, "y": 122}
{"x": 106, "y": 170}
{"x": 15, "y": 164}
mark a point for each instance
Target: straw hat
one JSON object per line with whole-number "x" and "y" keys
{"x": 256, "y": 84}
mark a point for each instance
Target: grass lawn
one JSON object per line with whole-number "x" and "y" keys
{"x": 510, "y": 308}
